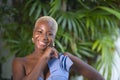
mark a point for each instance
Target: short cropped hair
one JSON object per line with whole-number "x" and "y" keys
{"x": 51, "y": 21}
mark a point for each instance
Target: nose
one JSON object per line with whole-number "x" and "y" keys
{"x": 45, "y": 37}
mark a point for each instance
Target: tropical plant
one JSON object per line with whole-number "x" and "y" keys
{"x": 87, "y": 28}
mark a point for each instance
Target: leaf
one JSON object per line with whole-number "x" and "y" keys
{"x": 59, "y": 20}
{"x": 60, "y": 45}
{"x": 99, "y": 48}
{"x": 110, "y": 10}
{"x": 74, "y": 27}
{"x": 85, "y": 53}
{"x": 33, "y": 8}
{"x": 28, "y": 3}
{"x": 88, "y": 22}
{"x": 38, "y": 12}
{"x": 96, "y": 43}
{"x": 69, "y": 25}
{"x": 64, "y": 23}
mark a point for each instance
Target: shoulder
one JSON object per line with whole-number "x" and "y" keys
{"x": 18, "y": 65}
{"x": 71, "y": 56}
{"x": 68, "y": 54}
{"x": 65, "y": 55}
{"x": 65, "y": 61}
{"x": 18, "y": 68}
{"x": 76, "y": 61}
{"x": 18, "y": 61}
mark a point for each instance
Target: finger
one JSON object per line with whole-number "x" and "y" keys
{"x": 55, "y": 53}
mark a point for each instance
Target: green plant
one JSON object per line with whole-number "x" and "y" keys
{"x": 87, "y": 28}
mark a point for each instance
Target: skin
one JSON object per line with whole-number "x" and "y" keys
{"x": 35, "y": 65}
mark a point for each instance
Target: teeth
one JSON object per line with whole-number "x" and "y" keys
{"x": 42, "y": 43}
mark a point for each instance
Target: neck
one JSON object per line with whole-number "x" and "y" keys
{"x": 38, "y": 52}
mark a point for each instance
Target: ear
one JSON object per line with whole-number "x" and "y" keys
{"x": 32, "y": 40}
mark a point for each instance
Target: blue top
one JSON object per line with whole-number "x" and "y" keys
{"x": 59, "y": 68}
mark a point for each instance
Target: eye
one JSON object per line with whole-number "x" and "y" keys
{"x": 40, "y": 32}
{"x": 50, "y": 34}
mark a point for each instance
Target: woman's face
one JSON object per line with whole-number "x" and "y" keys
{"x": 43, "y": 35}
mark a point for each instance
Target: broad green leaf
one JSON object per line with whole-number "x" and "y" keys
{"x": 112, "y": 11}
{"x": 95, "y": 44}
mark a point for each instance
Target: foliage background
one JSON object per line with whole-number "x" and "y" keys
{"x": 87, "y": 28}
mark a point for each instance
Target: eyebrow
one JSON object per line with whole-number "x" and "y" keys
{"x": 42, "y": 30}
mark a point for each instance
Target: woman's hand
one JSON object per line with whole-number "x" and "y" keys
{"x": 50, "y": 52}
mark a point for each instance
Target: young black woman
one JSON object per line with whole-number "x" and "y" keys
{"x": 45, "y": 63}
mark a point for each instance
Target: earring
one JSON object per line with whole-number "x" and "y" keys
{"x": 53, "y": 44}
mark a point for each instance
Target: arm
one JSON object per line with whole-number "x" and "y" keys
{"x": 38, "y": 70}
{"x": 84, "y": 69}
{"x": 17, "y": 69}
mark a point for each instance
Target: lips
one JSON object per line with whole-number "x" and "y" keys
{"x": 42, "y": 43}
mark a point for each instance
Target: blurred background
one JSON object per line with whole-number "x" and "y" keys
{"x": 89, "y": 29}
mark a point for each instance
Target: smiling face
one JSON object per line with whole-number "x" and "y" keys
{"x": 43, "y": 35}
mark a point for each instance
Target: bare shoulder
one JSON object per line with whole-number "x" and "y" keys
{"x": 18, "y": 61}
{"x": 67, "y": 53}
{"x": 18, "y": 68}
{"x": 71, "y": 56}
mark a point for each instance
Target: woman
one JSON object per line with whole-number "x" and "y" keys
{"x": 45, "y": 63}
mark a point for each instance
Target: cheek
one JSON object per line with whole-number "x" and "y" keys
{"x": 52, "y": 38}
{"x": 35, "y": 37}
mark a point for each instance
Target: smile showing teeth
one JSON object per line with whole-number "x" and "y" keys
{"x": 42, "y": 43}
